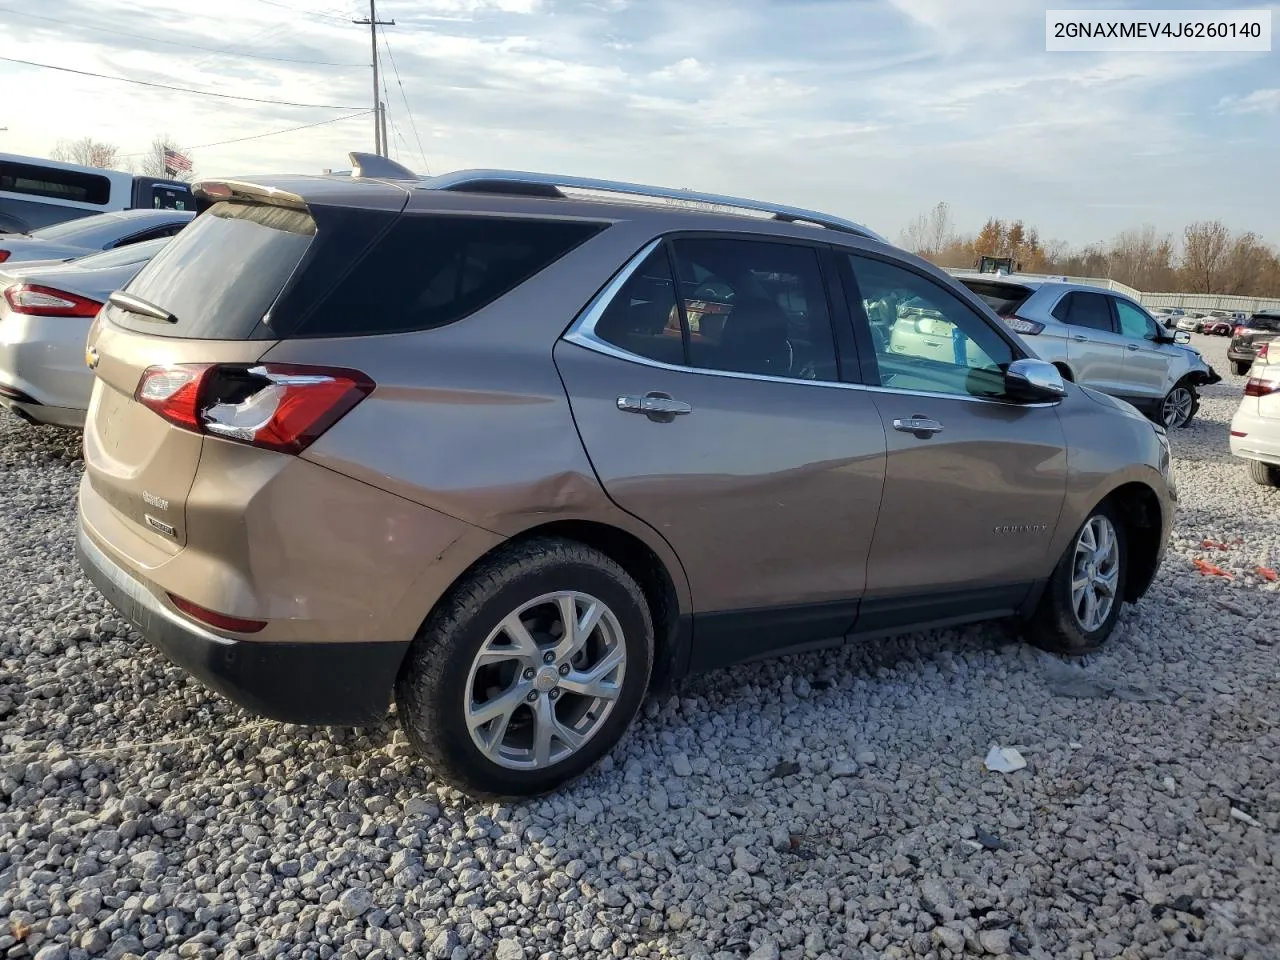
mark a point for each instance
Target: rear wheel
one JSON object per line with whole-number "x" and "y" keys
{"x": 1179, "y": 405}
{"x": 1264, "y": 474}
{"x": 1241, "y": 367}
{"x": 529, "y": 671}
{"x": 1082, "y": 600}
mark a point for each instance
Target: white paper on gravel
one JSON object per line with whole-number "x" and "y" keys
{"x": 1004, "y": 760}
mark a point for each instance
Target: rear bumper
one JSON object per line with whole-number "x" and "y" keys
{"x": 306, "y": 683}
{"x": 33, "y": 411}
{"x": 1261, "y": 440}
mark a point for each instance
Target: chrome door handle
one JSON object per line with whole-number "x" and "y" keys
{"x": 922, "y": 427}
{"x": 1081, "y": 338}
{"x": 658, "y": 407}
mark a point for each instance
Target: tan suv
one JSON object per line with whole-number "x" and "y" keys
{"x": 518, "y": 447}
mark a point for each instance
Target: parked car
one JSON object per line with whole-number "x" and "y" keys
{"x": 1248, "y": 335}
{"x": 1255, "y": 429}
{"x": 1192, "y": 322}
{"x": 503, "y": 489}
{"x": 1218, "y": 324}
{"x": 45, "y": 313}
{"x": 1105, "y": 341}
{"x": 86, "y": 235}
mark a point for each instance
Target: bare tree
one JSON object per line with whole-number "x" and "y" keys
{"x": 1142, "y": 258}
{"x": 152, "y": 163}
{"x": 87, "y": 152}
{"x": 930, "y": 233}
{"x": 1204, "y": 252}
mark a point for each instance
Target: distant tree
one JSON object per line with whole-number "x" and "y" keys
{"x": 87, "y": 152}
{"x": 1205, "y": 246}
{"x": 152, "y": 163}
{"x": 930, "y": 233}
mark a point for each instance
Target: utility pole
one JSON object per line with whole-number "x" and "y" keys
{"x": 379, "y": 108}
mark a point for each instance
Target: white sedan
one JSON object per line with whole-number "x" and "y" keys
{"x": 1255, "y": 429}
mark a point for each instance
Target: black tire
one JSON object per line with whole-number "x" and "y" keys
{"x": 439, "y": 661}
{"x": 1054, "y": 625}
{"x": 1241, "y": 367}
{"x": 1264, "y": 474}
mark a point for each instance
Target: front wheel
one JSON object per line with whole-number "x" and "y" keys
{"x": 1179, "y": 405}
{"x": 529, "y": 671}
{"x": 1082, "y": 600}
{"x": 1241, "y": 367}
{"x": 1264, "y": 474}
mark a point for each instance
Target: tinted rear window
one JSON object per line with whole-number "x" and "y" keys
{"x": 221, "y": 274}
{"x": 432, "y": 270}
{"x": 1003, "y": 298}
{"x": 53, "y": 183}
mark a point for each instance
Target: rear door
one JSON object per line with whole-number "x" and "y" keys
{"x": 718, "y": 416}
{"x": 973, "y": 483}
{"x": 1095, "y": 348}
{"x": 1146, "y": 362}
{"x": 217, "y": 280}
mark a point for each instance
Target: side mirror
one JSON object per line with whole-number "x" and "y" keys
{"x": 1034, "y": 381}
{"x": 1182, "y": 337}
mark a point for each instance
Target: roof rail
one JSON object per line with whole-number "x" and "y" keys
{"x": 379, "y": 168}
{"x": 521, "y": 183}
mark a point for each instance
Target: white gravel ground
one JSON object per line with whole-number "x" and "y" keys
{"x": 820, "y": 806}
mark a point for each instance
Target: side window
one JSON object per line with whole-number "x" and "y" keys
{"x": 1085, "y": 310}
{"x": 1134, "y": 323}
{"x": 926, "y": 338}
{"x": 643, "y": 318}
{"x": 757, "y": 307}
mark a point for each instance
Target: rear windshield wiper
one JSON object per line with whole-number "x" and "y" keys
{"x": 143, "y": 308}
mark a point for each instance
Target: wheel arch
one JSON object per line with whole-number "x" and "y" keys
{"x": 1139, "y": 508}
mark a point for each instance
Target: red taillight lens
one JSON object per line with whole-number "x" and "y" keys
{"x": 40, "y": 301}
{"x": 214, "y": 619}
{"x": 1262, "y": 351}
{"x": 1237, "y": 330}
{"x": 276, "y": 406}
{"x": 1258, "y": 387}
{"x": 174, "y": 392}
{"x": 4, "y": 255}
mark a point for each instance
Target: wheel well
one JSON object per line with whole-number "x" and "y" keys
{"x": 1066, "y": 372}
{"x": 646, "y": 568}
{"x": 1139, "y": 508}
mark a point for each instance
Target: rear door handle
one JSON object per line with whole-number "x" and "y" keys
{"x": 1081, "y": 338}
{"x": 922, "y": 427}
{"x": 1131, "y": 346}
{"x": 659, "y": 407}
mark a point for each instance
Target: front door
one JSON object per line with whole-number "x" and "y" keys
{"x": 718, "y": 417}
{"x": 1146, "y": 363}
{"x": 974, "y": 484}
{"x": 1095, "y": 348}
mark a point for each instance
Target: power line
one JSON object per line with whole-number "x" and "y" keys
{"x": 413, "y": 125}
{"x": 259, "y": 136}
{"x": 165, "y": 86}
{"x": 179, "y": 43}
{"x": 334, "y": 17}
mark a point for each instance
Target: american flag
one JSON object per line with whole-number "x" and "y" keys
{"x": 175, "y": 161}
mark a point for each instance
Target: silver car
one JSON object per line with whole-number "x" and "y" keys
{"x": 45, "y": 313}
{"x": 1103, "y": 340}
{"x": 85, "y": 235}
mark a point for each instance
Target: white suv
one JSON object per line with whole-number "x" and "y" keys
{"x": 1255, "y": 429}
{"x": 1102, "y": 340}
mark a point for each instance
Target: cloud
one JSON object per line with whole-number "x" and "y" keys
{"x": 1260, "y": 101}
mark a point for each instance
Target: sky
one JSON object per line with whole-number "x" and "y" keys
{"x": 874, "y": 110}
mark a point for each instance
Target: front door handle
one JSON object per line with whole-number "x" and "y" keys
{"x": 922, "y": 427}
{"x": 1081, "y": 338}
{"x": 658, "y": 407}
{"x": 1131, "y": 346}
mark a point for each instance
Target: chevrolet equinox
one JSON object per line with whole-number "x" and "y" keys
{"x": 512, "y": 448}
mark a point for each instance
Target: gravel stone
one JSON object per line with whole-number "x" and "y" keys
{"x": 143, "y": 816}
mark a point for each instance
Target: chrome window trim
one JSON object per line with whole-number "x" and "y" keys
{"x": 582, "y": 333}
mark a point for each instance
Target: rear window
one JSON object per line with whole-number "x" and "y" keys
{"x": 223, "y": 276}
{"x": 55, "y": 184}
{"x": 1003, "y": 298}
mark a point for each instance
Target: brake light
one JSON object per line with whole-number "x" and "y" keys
{"x": 36, "y": 300}
{"x": 1258, "y": 387}
{"x": 214, "y": 619}
{"x": 1261, "y": 353}
{"x": 276, "y": 406}
{"x": 1023, "y": 325}
{"x": 4, "y": 255}
{"x": 1237, "y": 330}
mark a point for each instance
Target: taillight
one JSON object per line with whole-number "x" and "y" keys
{"x": 1261, "y": 353}
{"x": 1023, "y": 325}
{"x": 4, "y": 255}
{"x": 222, "y": 621}
{"x": 40, "y": 301}
{"x": 1237, "y": 330}
{"x": 276, "y": 406}
{"x": 1258, "y": 387}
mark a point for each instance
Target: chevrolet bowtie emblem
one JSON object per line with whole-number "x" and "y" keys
{"x": 91, "y": 358}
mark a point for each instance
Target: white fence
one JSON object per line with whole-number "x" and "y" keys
{"x": 1187, "y": 301}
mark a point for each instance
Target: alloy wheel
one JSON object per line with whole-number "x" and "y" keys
{"x": 545, "y": 680}
{"x": 1177, "y": 407}
{"x": 1095, "y": 572}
